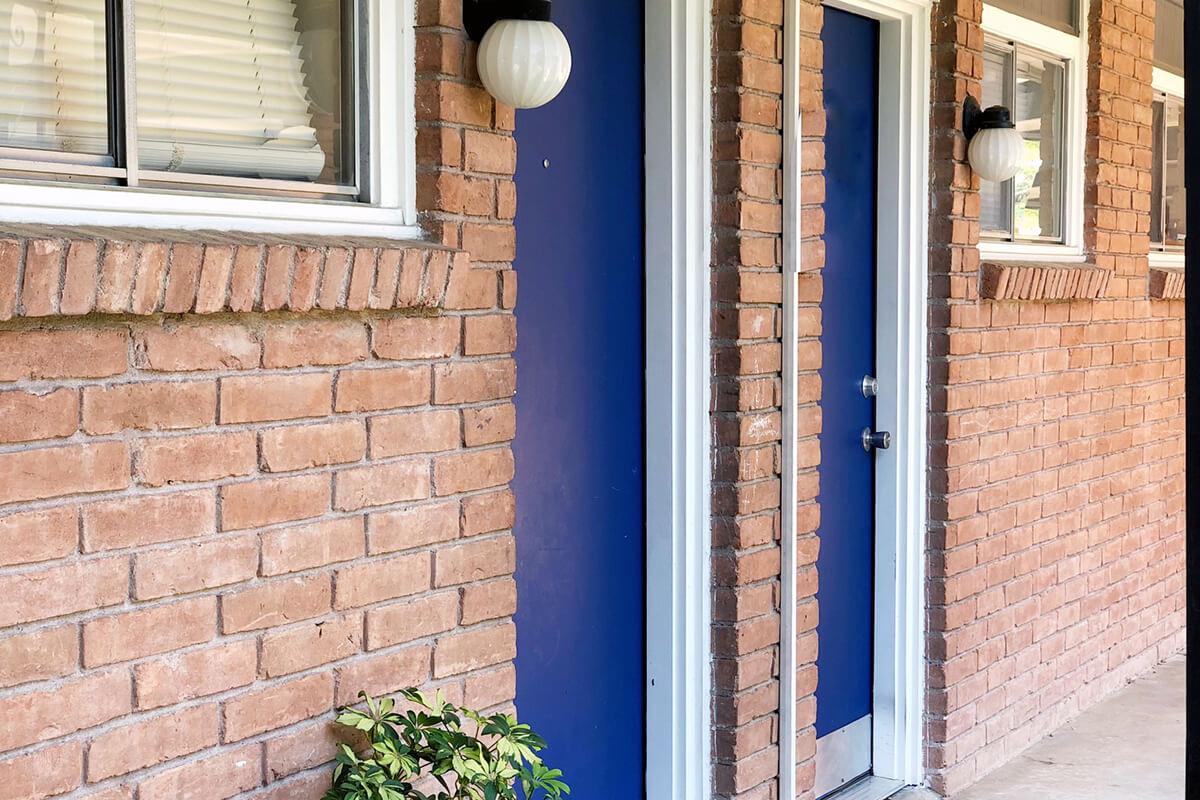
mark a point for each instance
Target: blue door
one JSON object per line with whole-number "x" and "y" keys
{"x": 846, "y": 563}
{"x": 580, "y": 425}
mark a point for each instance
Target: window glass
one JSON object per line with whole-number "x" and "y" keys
{"x": 53, "y": 76}
{"x": 996, "y": 207}
{"x": 1030, "y": 206}
{"x": 1037, "y": 189}
{"x": 1168, "y": 35}
{"x": 244, "y": 88}
{"x": 1168, "y": 201}
{"x": 1060, "y": 14}
{"x": 1156, "y": 172}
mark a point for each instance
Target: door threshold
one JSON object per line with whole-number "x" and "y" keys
{"x": 869, "y": 787}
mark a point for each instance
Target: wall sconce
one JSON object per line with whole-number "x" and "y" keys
{"x": 995, "y": 147}
{"x": 524, "y": 59}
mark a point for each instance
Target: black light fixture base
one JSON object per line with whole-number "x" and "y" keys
{"x": 976, "y": 119}
{"x": 479, "y": 15}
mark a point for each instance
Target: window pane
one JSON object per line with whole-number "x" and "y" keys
{"x": 1168, "y": 35}
{"x": 1175, "y": 204}
{"x": 995, "y": 211}
{"x": 1060, "y": 14}
{"x": 1156, "y": 174}
{"x": 53, "y": 76}
{"x": 1037, "y": 188}
{"x": 244, "y": 88}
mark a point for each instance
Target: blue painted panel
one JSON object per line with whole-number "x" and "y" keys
{"x": 847, "y": 555}
{"x": 580, "y": 397}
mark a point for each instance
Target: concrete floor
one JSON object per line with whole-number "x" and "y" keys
{"x": 1130, "y": 747}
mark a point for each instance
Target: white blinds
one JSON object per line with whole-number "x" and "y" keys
{"x": 221, "y": 89}
{"x": 53, "y": 81}
{"x": 221, "y": 86}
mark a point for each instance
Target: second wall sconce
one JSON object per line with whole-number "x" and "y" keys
{"x": 524, "y": 59}
{"x": 995, "y": 148}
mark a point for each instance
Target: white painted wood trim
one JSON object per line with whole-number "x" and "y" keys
{"x": 392, "y": 72}
{"x": 901, "y": 484}
{"x": 1074, "y": 50}
{"x": 1168, "y": 83}
{"x": 678, "y": 483}
{"x": 792, "y": 202}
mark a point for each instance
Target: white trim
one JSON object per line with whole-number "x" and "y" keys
{"x": 392, "y": 156}
{"x": 792, "y": 204}
{"x": 678, "y": 534}
{"x": 1074, "y": 50}
{"x": 1168, "y": 83}
{"x": 904, "y": 65}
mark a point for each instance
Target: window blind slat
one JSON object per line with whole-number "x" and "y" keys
{"x": 222, "y": 89}
{"x": 1168, "y": 35}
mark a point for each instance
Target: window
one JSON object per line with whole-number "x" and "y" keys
{"x": 1168, "y": 201}
{"x": 1028, "y": 207}
{"x": 1037, "y": 71}
{"x": 243, "y": 101}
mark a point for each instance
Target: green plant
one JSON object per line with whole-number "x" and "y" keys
{"x": 429, "y": 741}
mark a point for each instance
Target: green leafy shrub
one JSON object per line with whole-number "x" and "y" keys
{"x": 429, "y": 742}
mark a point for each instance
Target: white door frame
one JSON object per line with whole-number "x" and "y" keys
{"x": 902, "y": 368}
{"x": 678, "y": 223}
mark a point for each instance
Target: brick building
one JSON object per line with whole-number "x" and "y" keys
{"x": 274, "y": 427}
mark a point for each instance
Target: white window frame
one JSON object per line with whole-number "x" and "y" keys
{"x": 1073, "y": 50}
{"x": 390, "y": 72}
{"x": 1168, "y": 83}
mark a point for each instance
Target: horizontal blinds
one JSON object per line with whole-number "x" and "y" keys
{"x": 1060, "y": 14}
{"x": 53, "y": 76}
{"x": 221, "y": 89}
{"x": 1168, "y": 35}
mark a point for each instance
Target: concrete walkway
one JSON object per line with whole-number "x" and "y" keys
{"x": 1130, "y": 747}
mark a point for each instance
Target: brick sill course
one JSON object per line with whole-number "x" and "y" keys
{"x": 1042, "y": 282}
{"x": 75, "y": 271}
{"x": 1166, "y": 283}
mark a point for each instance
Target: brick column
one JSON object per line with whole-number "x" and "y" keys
{"x": 953, "y": 294}
{"x": 748, "y": 219}
{"x": 1119, "y": 136}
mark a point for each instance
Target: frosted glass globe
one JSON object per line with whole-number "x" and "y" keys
{"x": 524, "y": 63}
{"x": 995, "y": 153}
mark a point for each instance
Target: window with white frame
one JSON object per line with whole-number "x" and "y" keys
{"x": 1168, "y": 200}
{"x": 241, "y": 100}
{"x": 1033, "y": 63}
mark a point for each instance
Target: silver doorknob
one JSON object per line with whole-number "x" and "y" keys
{"x": 876, "y": 440}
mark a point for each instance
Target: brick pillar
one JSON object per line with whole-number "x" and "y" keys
{"x": 746, "y": 278}
{"x": 953, "y": 295}
{"x": 1119, "y": 135}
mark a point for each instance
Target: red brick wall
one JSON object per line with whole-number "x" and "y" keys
{"x": 1056, "y": 552}
{"x": 241, "y": 480}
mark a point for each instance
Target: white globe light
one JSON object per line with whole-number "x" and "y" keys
{"x": 995, "y": 153}
{"x": 524, "y": 63}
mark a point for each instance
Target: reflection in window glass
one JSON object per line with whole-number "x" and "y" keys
{"x": 1039, "y": 109}
{"x": 244, "y": 88}
{"x": 1174, "y": 214}
{"x": 996, "y": 206}
{"x": 53, "y": 76}
{"x": 1032, "y": 86}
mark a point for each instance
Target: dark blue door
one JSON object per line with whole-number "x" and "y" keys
{"x": 580, "y": 424}
{"x": 846, "y": 563}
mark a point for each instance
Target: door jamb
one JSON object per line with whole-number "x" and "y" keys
{"x": 678, "y": 223}
{"x": 902, "y": 364}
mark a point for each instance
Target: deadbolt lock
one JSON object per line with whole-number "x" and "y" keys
{"x": 870, "y": 386}
{"x": 876, "y": 440}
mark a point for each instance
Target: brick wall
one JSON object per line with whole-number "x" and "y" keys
{"x": 1056, "y": 551}
{"x": 241, "y": 480}
{"x": 747, "y": 306}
